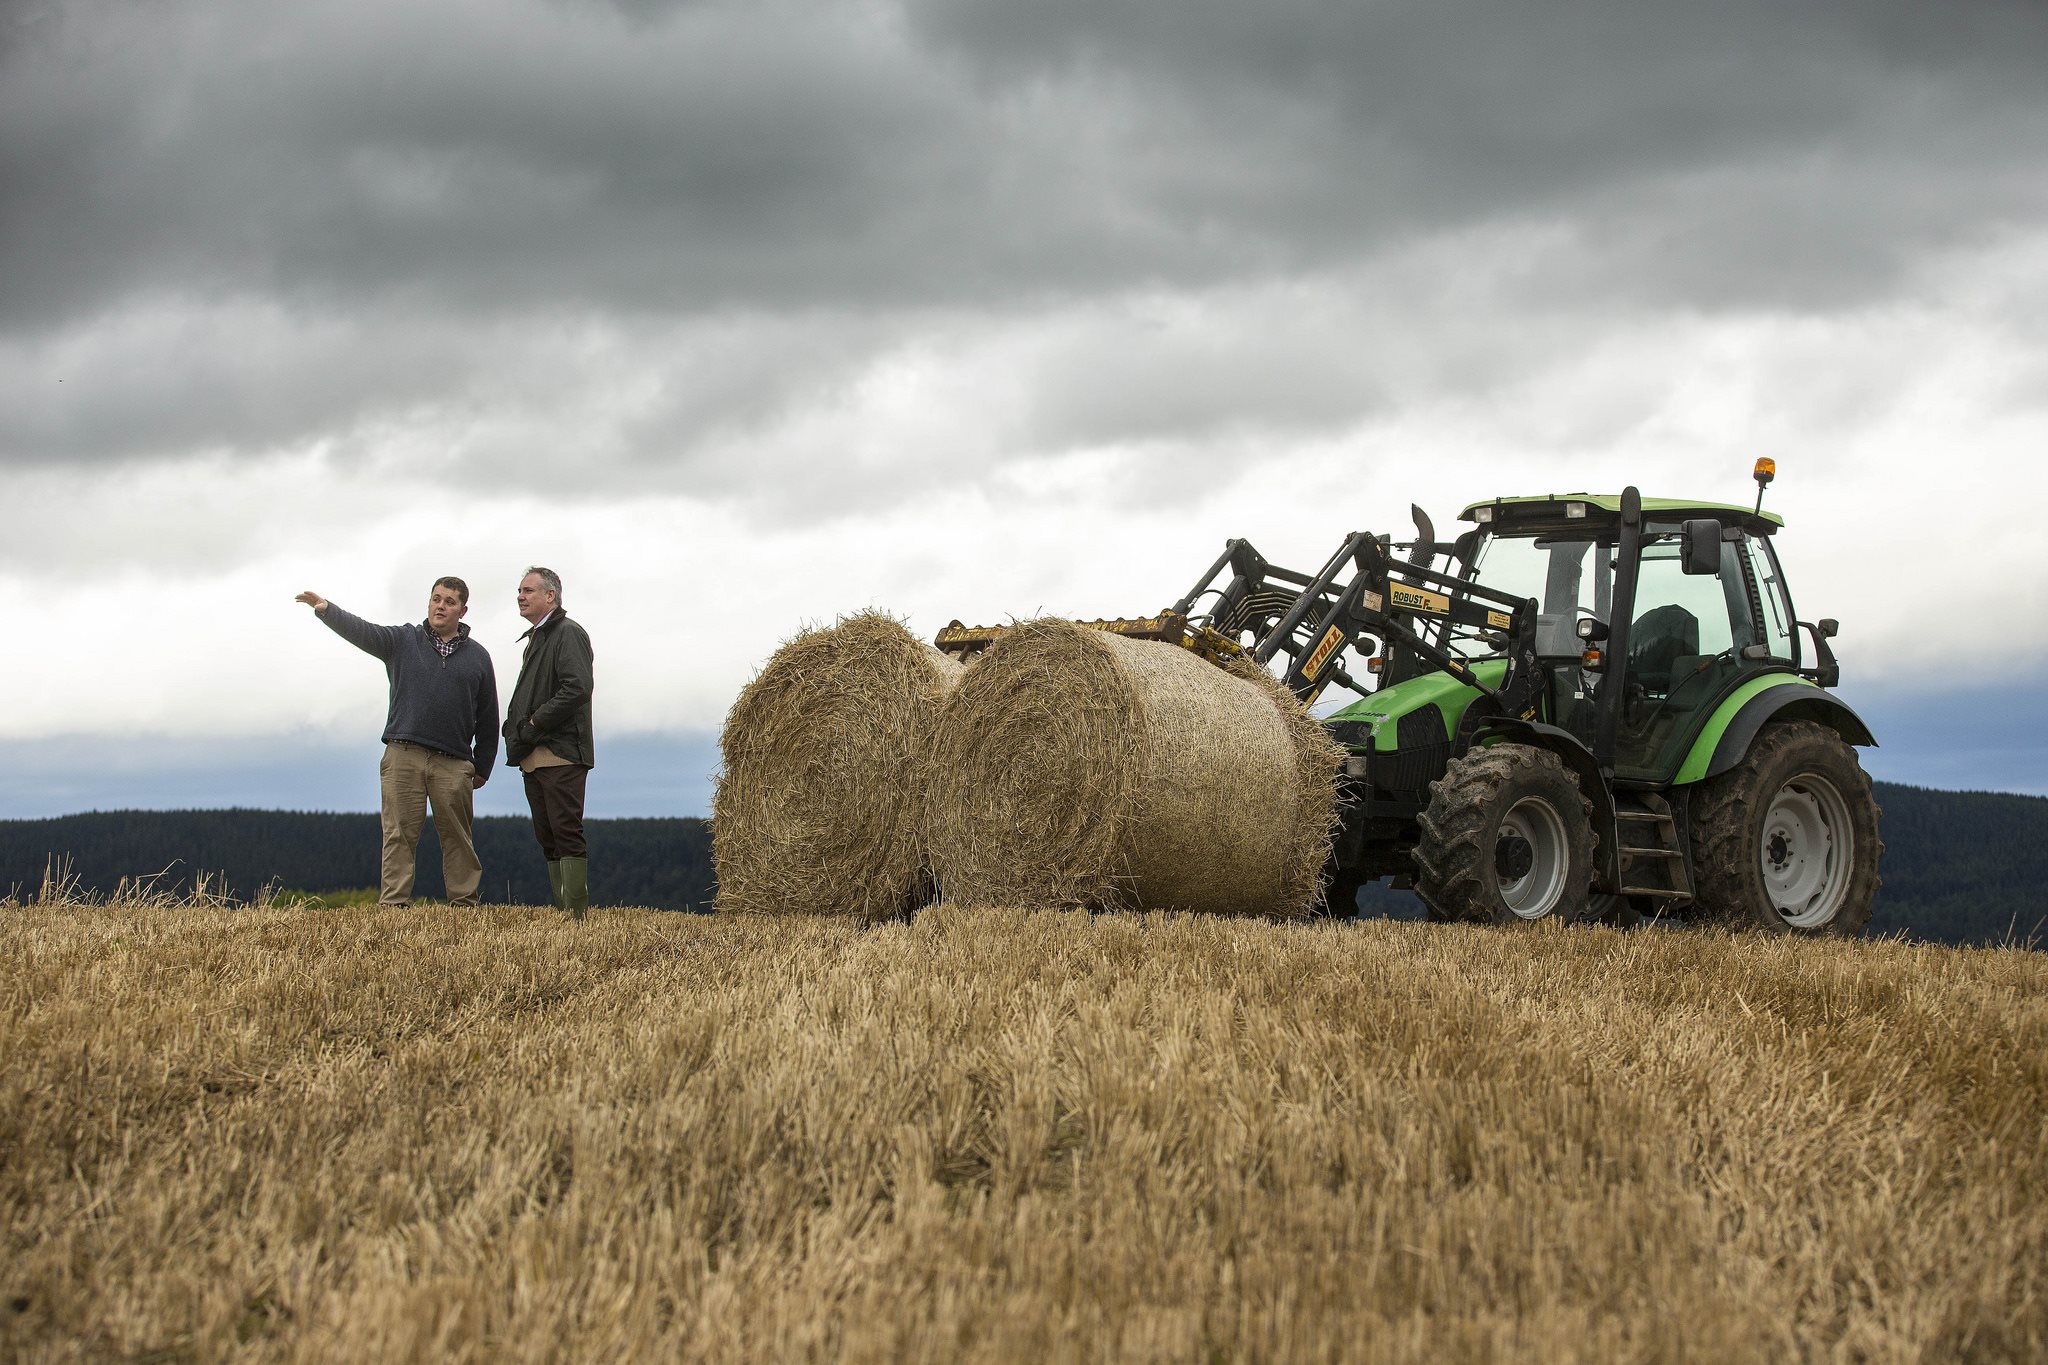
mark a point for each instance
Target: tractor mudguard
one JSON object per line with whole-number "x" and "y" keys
{"x": 1726, "y": 738}
{"x": 1579, "y": 761}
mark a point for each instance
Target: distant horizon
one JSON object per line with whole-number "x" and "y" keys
{"x": 706, "y": 816}
{"x": 1980, "y": 740}
{"x": 637, "y": 776}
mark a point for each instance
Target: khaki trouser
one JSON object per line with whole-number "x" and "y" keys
{"x": 411, "y": 779}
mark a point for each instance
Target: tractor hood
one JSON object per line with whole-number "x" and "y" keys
{"x": 1423, "y": 710}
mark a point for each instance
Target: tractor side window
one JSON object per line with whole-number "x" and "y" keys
{"x": 1781, "y": 634}
{"x": 1680, "y": 621}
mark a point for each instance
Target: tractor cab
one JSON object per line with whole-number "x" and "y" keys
{"x": 1706, "y": 610}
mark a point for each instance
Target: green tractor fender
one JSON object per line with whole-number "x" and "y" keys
{"x": 1728, "y": 733}
{"x": 1580, "y": 763}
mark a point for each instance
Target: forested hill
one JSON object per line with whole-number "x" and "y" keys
{"x": 662, "y": 863}
{"x": 1964, "y": 867}
{"x": 1959, "y": 867}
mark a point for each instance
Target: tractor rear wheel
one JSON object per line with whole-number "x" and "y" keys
{"x": 1507, "y": 839}
{"x": 1788, "y": 841}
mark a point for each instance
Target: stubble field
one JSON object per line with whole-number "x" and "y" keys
{"x": 992, "y": 1135}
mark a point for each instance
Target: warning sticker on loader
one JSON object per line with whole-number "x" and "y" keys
{"x": 1325, "y": 647}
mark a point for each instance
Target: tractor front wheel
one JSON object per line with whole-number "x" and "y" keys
{"x": 1507, "y": 839}
{"x": 1788, "y": 840}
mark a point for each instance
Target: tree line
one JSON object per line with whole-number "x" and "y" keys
{"x": 1959, "y": 867}
{"x": 664, "y": 863}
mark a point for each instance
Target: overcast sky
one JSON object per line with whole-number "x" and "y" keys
{"x": 745, "y": 315}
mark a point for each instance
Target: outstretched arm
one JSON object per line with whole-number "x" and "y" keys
{"x": 381, "y": 641}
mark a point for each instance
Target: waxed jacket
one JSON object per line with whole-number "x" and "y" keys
{"x": 551, "y": 701}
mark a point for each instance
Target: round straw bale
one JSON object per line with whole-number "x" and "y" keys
{"x": 1074, "y": 767}
{"x": 817, "y": 809}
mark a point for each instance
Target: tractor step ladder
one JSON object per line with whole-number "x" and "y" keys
{"x": 1651, "y": 862}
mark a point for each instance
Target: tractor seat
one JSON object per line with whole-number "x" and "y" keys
{"x": 1660, "y": 638}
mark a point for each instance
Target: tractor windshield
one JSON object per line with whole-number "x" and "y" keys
{"x": 1563, "y": 573}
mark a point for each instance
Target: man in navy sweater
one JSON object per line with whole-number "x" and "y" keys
{"x": 440, "y": 738}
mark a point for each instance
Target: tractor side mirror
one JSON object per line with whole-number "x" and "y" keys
{"x": 1825, "y": 671}
{"x": 1702, "y": 546}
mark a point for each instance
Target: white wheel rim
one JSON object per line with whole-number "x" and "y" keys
{"x": 1806, "y": 852}
{"x": 1535, "y": 893}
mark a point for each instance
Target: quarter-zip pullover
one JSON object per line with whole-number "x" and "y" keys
{"x": 448, "y": 703}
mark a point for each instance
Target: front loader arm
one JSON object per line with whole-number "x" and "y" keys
{"x": 1359, "y": 598}
{"x": 1387, "y": 597}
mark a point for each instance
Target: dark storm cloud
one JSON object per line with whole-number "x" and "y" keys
{"x": 698, "y": 155}
{"x": 498, "y": 155}
{"x": 157, "y": 380}
{"x": 174, "y": 377}
{"x": 241, "y": 226}
{"x": 1705, "y": 142}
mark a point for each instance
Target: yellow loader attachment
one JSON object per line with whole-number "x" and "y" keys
{"x": 964, "y": 642}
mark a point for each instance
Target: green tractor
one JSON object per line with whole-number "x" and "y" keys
{"x": 1586, "y": 707}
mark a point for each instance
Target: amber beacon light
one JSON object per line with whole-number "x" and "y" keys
{"x": 1766, "y": 470}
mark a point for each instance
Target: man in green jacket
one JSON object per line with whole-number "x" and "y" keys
{"x": 547, "y": 733}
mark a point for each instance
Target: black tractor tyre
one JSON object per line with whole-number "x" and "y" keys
{"x": 1788, "y": 840}
{"x": 1507, "y": 838}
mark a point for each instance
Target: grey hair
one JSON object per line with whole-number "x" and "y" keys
{"x": 549, "y": 579}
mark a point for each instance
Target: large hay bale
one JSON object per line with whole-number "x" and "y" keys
{"x": 1074, "y": 767}
{"x": 817, "y": 810}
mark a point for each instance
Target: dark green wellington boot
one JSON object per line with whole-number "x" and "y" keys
{"x": 555, "y": 882}
{"x": 575, "y": 886}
